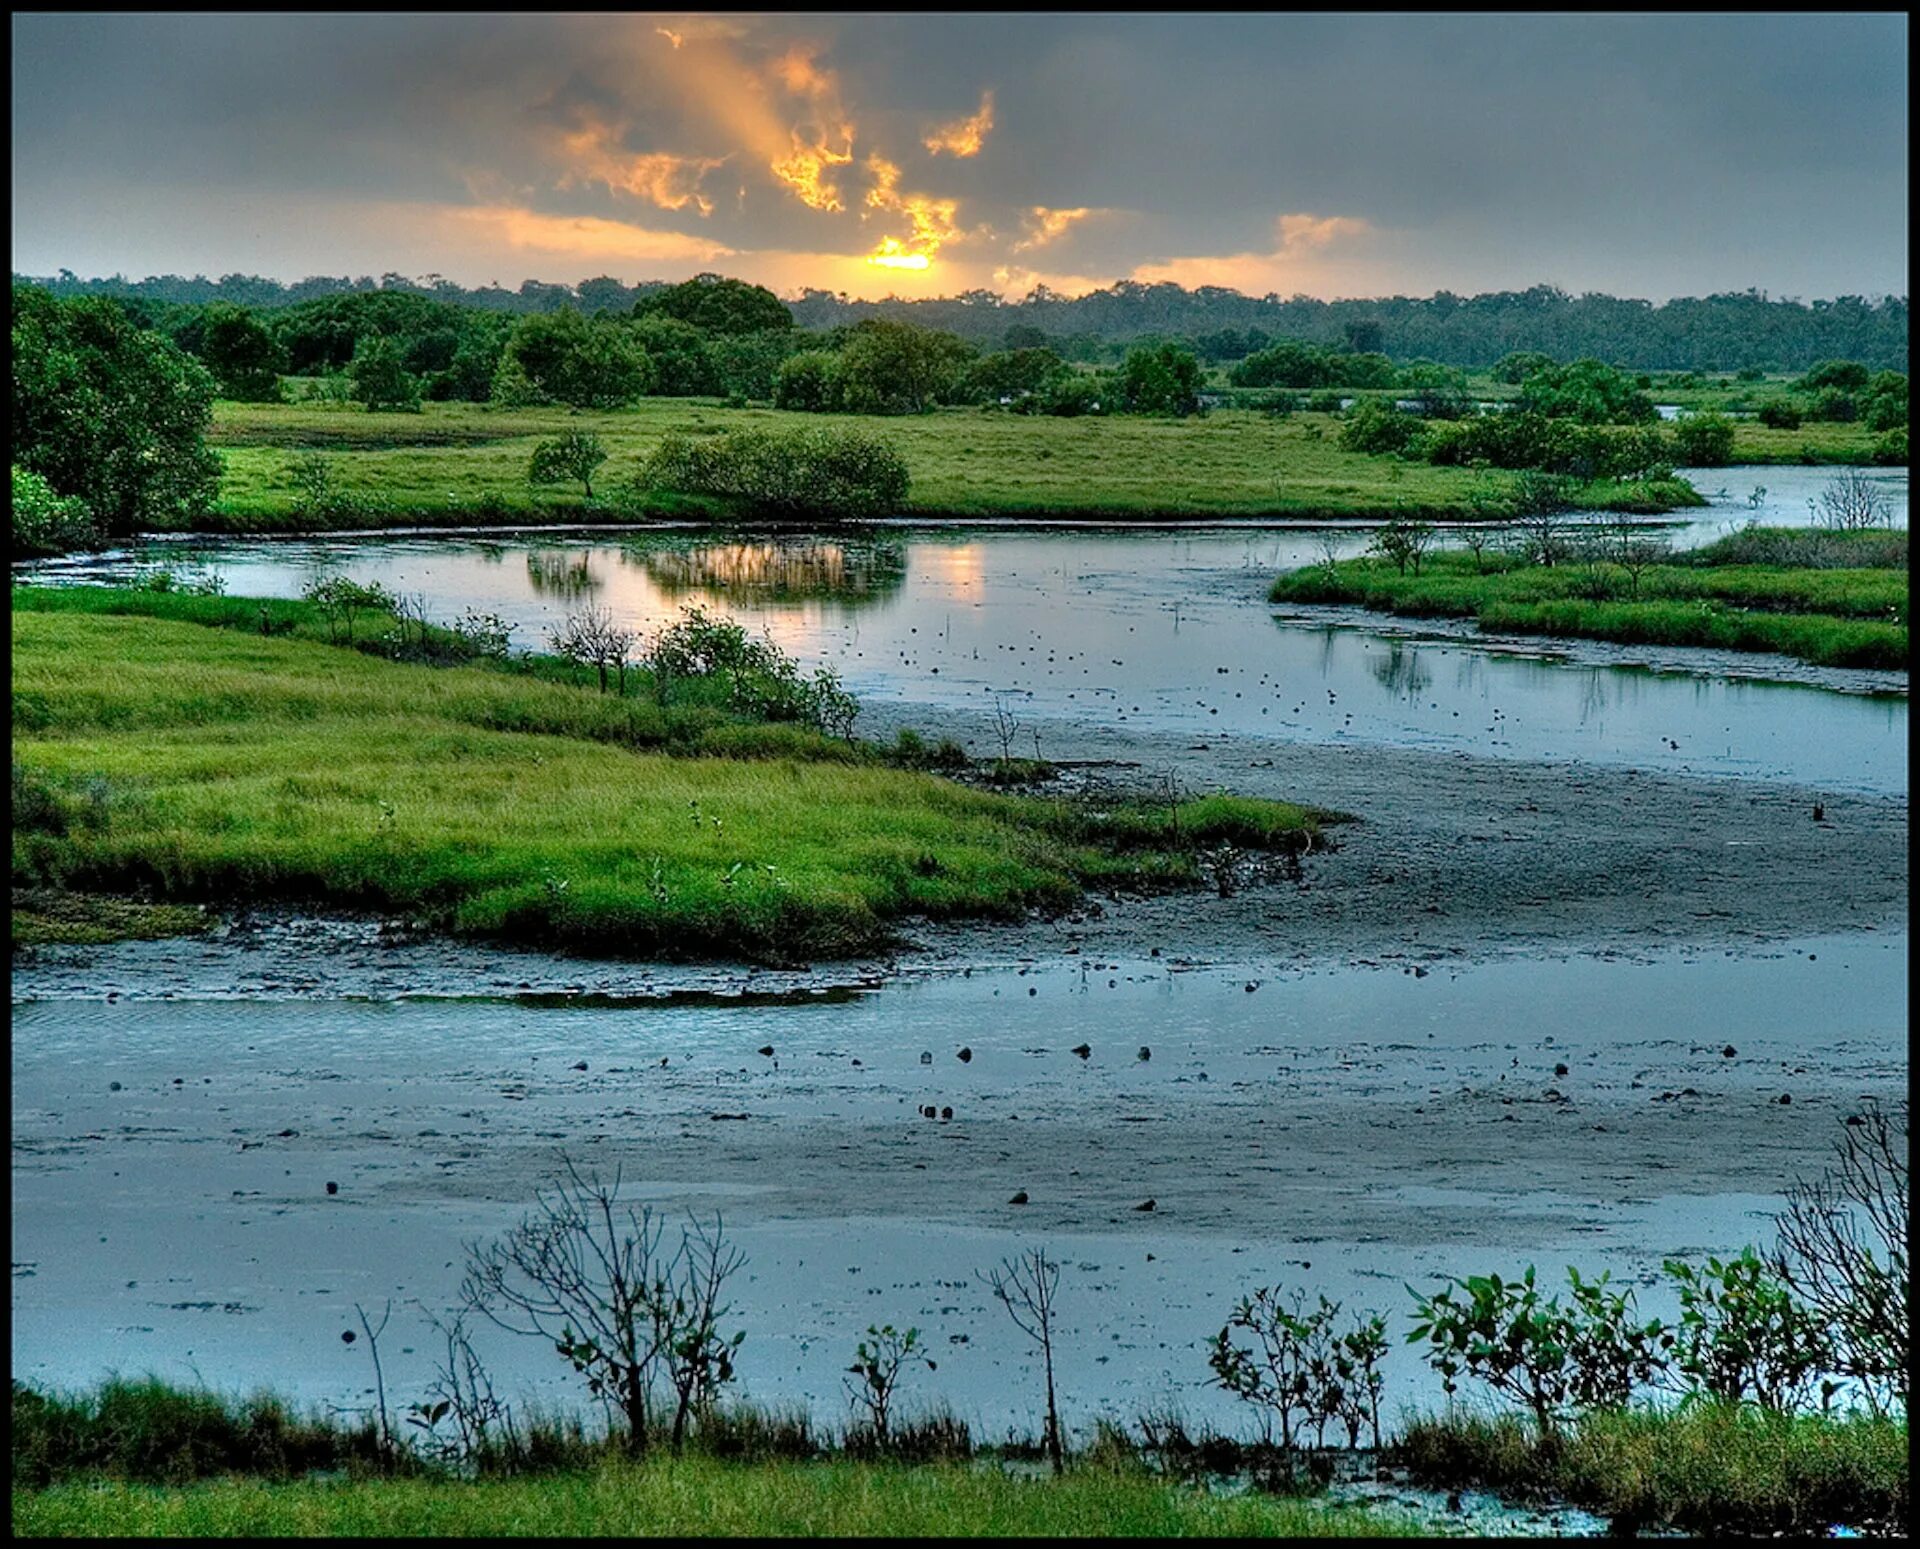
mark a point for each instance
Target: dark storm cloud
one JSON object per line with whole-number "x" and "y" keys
{"x": 1644, "y": 154}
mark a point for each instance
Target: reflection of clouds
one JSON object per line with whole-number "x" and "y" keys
{"x": 561, "y": 575}
{"x": 776, "y": 571}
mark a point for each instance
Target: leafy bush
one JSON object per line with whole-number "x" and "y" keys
{"x": 1846, "y": 375}
{"x": 813, "y": 473}
{"x": 380, "y": 378}
{"x": 562, "y": 357}
{"x": 1890, "y": 450}
{"x": 1516, "y": 367}
{"x": 1300, "y": 1367}
{"x": 1779, "y": 414}
{"x": 46, "y": 523}
{"x": 1161, "y": 379}
{"x": 1588, "y": 391}
{"x": 1833, "y": 406}
{"x": 342, "y": 600}
{"x": 1743, "y": 1335}
{"x": 1373, "y": 426}
{"x": 762, "y": 680}
{"x": 1550, "y": 1357}
{"x": 808, "y": 382}
{"x": 1703, "y": 441}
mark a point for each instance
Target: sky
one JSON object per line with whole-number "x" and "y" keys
{"x": 918, "y": 155}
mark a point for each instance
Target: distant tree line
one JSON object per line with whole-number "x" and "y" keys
{"x": 1723, "y": 332}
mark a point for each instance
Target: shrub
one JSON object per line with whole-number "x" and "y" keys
{"x": 1518, "y": 366}
{"x": 1833, "y": 406}
{"x": 809, "y": 382}
{"x": 1890, "y": 450}
{"x": 1372, "y": 426}
{"x": 1703, "y": 441}
{"x": 1847, "y": 375}
{"x": 1163, "y": 379}
{"x": 1300, "y": 1367}
{"x": 1286, "y": 363}
{"x": 1779, "y": 414}
{"x": 562, "y": 357}
{"x": 1550, "y": 1357}
{"x": 46, "y": 523}
{"x": 824, "y": 473}
{"x": 380, "y": 379}
{"x": 1743, "y": 1335}
{"x": 341, "y": 600}
{"x": 1069, "y": 397}
{"x": 1588, "y": 391}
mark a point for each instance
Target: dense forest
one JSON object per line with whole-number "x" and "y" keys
{"x": 1726, "y": 332}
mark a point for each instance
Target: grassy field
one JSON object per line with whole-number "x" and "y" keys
{"x": 1709, "y": 1469}
{"x": 461, "y": 464}
{"x": 697, "y": 1498}
{"x": 1852, "y": 617}
{"x": 185, "y": 763}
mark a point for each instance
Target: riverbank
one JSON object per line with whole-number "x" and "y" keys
{"x": 466, "y": 465}
{"x": 1839, "y": 617}
{"x": 190, "y": 761}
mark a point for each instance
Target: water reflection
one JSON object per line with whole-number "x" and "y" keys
{"x": 1400, "y": 671}
{"x": 774, "y": 571}
{"x": 564, "y": 576}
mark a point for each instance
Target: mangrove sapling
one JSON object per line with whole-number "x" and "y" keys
{"x": 1635, "y": 550}
{"x": 1742, "y": 1335}
{"x": 879, "y": 1360}
{"x": 1534, "y": 1350}
{"x": 1005, "y": 726}
{"x": 1025, "y": 1286}
{"x": 483, "y": 1434}
{"x": 687, "y": 1312}
{"x": 388, "y": 1451}
{"x": 1842, "y": 1249}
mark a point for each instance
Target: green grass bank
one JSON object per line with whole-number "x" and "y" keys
{"x": 1854, "y": 616}
{"x": 179, "y": 762}
{"x": 465, "y": 464}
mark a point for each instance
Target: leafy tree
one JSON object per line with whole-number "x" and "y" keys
{"x": 1162, "y": 380}
{"x": 245, "y": 359}
{"x": 814, "y": 473}
{"x": 899, "y": 368}
{"x": 379, "y": 378}
{"x": 1518, "y": 365}
{"x": 1779, "y": 414}
{"x": 1075, "y": 394}
{"x": 1285, "y": 363}
{"x": 1589, "y": 391}
{"x": 565, "y": 458}
{"x": 562, "y": 357}
{"x": 715, "y": 304}
{"x": 1883, "y": 405}
{"x": 682, "y": 365}
{"x": 1372, "y": 426}
{"x": 1365, "y": 335}
{"x": 1847, "y": 375}
{"x": 109, "y": 412}
{"x": 1441, "y": 391}
{"x": 748, "y": 363}
{"x": 1013, "y": 374}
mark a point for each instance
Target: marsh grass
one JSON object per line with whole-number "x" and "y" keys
{"x": 460, "y": 464}
{"x": 1840, "y": 617}
{"x": 1701, "y": 1468}
{"x": 696, "y": 1497}
{"x": 193, "y": 764}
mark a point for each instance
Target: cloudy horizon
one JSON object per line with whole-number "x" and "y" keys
{"x": 1335, "y": 156}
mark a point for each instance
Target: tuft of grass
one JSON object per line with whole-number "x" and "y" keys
{"x": 696, "y": 1497}
{"x": 1701, "y": 1468}
{"x": 1837, "y": 617}
{"x": 226, "y": 766}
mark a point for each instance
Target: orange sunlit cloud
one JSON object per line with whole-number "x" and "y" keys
{"x": 660, "y": 177}
{"x": 1297, "y": 239}
{"x": 585, "y": 237}
{"x": 965, "y": 136}
{"x": 933, "y": 222}
{"x": 1048, "y": 225}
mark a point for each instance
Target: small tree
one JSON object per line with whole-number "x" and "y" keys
{"x": 1025, "y": 1286}
{"x": 591, "y": 638}
{"x": 380, "y": 377}
{"x": 878, "y": 1361}
{"x": 1743, "y": 1335}
{"x": 587, "y": 1275}
{"x": 1540, "y": 504}
{"x": 1634, "y": 550}
{"x": 1403, "y": 542}
{"x": 575, "y": 455}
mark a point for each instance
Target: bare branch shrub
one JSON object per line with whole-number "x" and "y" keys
{"x": 1842, "y": 1250}
{"x": 592, "y": 638}
{"x": 1025, "y": 1286}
